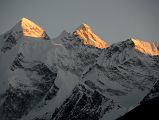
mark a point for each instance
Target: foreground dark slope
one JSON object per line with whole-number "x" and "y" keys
{"x": 146, "y": 111}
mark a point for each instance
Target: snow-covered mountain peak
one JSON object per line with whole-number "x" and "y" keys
{"x": 84, "y": 26}
{"x": 27, "y": 28}
{"x": 145, "y": 47}
{"x": 89, "y": 37}
{"x": 24, "y": 29}
{"x": 31, "y": 29}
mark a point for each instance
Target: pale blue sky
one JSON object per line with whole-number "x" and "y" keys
{"x": 112, "y": 20}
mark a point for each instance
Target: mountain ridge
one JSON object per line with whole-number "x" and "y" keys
{"x": 28, "y": 28}
{"x": 62, "y": 78}
{"x": 150, "y": 48}
{"x": 89, "y": 37}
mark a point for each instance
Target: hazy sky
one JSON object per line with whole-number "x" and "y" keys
{"x": 112, "y": 20}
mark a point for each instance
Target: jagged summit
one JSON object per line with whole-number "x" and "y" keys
{"x": 26, "y": 27}
{"x": 84, "y": 26}
{"x": 145, "y": 47}
{"x": 31, "y": 29}
{"x": 87, "y": 35}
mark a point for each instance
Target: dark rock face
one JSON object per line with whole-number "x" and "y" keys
{"x": 17, "y": 63}
{"x": 18, "y": 101}
{"x": 46, "y": 37}
{"x": 83, "y": 104}
{"x": 10, "y": 42}
{"x": 16, "y": 104}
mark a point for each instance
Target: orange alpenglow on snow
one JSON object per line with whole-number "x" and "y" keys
{"x": 89, "y": 38}
{"x": 146, "y": 47}
{"x": 31, "y": 29}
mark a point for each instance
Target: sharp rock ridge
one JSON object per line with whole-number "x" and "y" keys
{"x": 85, "y": 32}
{"x": 150, "y": 48}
